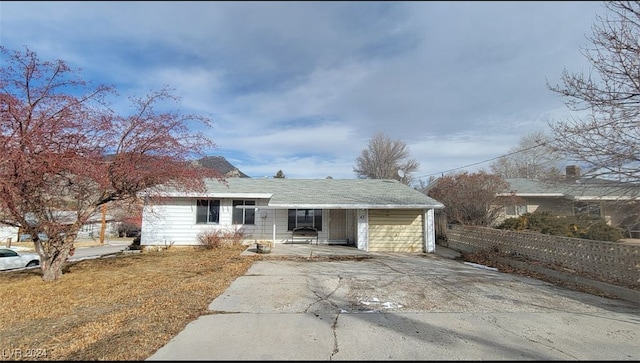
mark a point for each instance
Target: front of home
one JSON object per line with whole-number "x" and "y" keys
{"x": 369, "y": 214}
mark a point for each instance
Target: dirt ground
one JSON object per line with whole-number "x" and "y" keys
{"x": 120, "y": 308}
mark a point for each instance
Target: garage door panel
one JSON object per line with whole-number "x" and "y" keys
{"x": 396, "y": 230}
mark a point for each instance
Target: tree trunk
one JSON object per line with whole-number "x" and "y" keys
{"x": 53, "y": 256}
{"x": 52, "y": 267}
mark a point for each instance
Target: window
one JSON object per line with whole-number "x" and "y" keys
{"x": 8, "y": 253}
{"x": 305, "y": 218}
{"x": 515, "y": 210}
{"x": 244, "y": 215}
{"x": 207, "y": 211}
{"x": 582, "y": 208}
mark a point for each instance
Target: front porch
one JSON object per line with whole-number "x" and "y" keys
{"x": 280, "y": 225}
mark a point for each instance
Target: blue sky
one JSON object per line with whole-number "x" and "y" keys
{"x": 302, "y": 86}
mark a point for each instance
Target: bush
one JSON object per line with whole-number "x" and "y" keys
{"x": 587, "y": 227}
{"x": 135, "y": 244}
{"x": 543, "y": 222}
{"x": 603, "y": 232}
{"x": 211, "y": 239}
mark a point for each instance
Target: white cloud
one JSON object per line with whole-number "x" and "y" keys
{"x": 302, "y": 86}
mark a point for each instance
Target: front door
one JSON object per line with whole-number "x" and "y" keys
{"x": 337, "y": 225}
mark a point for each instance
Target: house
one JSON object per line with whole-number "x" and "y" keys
{"x": 615, "y": 201}
{"x": 368, "y": 214}
{"x": 8, "y": 234}
{"x": 91, "y": 229}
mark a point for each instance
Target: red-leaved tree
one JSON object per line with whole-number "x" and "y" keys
{"x": 64, "y": 153}
{"x": 471, "y": 199}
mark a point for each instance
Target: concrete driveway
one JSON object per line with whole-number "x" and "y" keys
{"x": 403, "y": 307}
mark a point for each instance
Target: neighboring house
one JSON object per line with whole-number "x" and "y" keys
{"x": 8, "y": 234}
{"x": 91, "y": 229}
{"x": 616, "y": 202}
{"x": 369, "y": 214}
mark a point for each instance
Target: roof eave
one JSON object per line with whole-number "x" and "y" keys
{"x": 214, "y": 195}
{"x": 342, "y": 206}
{"x": 614, "y": 198}
{"x": 548, "y": 195}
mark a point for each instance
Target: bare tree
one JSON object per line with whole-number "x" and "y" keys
{"x": 386, "y": 159}
{"x": 422, "y": 185}
{"x": 605, "y": 141}
{"x": 64, "y": 153}
{"x": 531, "y": 159}
{"x": 471, "y": 199}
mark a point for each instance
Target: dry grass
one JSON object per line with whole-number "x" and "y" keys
{"x": 120, "y": 308}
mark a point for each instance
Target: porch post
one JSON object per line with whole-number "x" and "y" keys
{"x": 429, "y": 231}
{"x": 273, "y": 240}
{"x": 363, "y": 229}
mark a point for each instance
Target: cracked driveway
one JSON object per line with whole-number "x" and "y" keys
{"x": 404, "y": 307}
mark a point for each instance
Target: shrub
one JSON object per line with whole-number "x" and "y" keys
{"x": 513, "y": 223}
{"x": 601, "y": 231}
{"x": 587, "y": 227}
{"x": 543, "y": 222}
{"x": 135, "y": 244}
{"x": 216, "y": 239}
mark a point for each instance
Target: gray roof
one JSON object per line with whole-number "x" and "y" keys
{"x": 584, "y": 188}
{"x": 320, "y": 193}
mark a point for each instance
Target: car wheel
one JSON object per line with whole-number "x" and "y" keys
{"x": 33, "y": 263}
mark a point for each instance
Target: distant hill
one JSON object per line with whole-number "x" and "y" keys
{"x": 221, "y": 164}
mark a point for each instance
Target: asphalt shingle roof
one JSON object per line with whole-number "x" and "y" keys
{"x": 585, "y": 187}
{"x": 326, "y": 193}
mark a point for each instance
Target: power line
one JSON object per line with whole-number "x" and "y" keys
{"x": 485, "y": 161}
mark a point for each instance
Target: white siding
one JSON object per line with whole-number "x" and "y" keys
{"x": 8, "y": 233}
{"x": 172, "y": 222}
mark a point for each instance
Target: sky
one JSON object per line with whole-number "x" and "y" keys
{"x": 303, "y": 86}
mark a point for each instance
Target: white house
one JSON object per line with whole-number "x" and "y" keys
{"x": 369, "y": 214}
{"x": 91, "y": 229}
{"x": 8, "y": 234}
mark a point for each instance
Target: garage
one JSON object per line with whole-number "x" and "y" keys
{"x": 396, "y": 230}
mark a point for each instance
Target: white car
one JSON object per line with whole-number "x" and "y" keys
{"x": 10, "y": 259}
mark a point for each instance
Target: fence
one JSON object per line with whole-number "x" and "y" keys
{"x": 611, "y": 262}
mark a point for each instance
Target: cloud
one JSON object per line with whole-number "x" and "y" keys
{"x": 302, "y": 86}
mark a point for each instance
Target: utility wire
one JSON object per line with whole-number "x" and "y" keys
{"x": 484, "y": 161}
